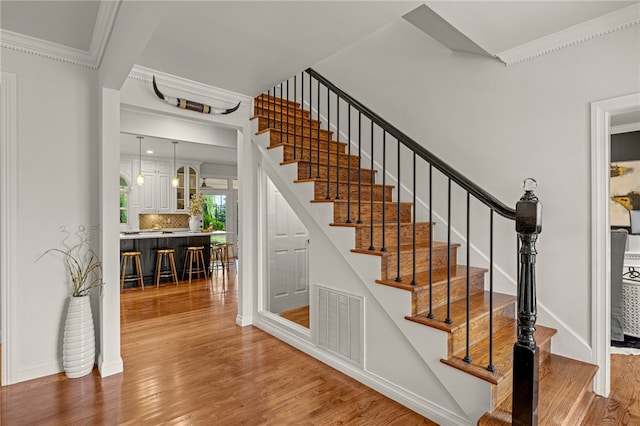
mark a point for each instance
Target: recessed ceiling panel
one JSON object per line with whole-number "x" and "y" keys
{"x": 69, "y": 23}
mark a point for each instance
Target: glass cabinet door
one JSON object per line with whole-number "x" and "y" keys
{"x": 193, "y": 182}
{"x": 180, "y": 190}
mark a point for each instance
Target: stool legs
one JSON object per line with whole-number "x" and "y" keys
{"x": 135, "y": 264}
{"x": 196, "y": 255}
{"x": 160, "y": 260}
{"x": 140, "y": 283}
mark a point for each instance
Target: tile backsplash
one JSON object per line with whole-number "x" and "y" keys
{"x": 148, "y": 221}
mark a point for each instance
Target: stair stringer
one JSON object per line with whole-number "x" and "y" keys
{"x": 471, "y": 394}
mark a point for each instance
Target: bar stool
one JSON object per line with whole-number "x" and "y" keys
{"x": 163, "y": 257}
{"x": 194, "y": 254}
{"x": 217, "y": 258}
{"x": 135, "y": 264}
{"x": 228, "y": 248}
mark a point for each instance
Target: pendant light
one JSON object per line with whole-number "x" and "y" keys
{"x": 140, "y": 178}
{"x": 174, "y": 179}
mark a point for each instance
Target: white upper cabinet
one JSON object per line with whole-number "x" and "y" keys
{"x": 155, "y": 195}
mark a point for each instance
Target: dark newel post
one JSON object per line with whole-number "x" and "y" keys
{"x": 525, "y": 351}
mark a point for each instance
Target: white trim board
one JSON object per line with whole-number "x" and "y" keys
{"x": 91, "y": 58}
{"x": 602, "y": 25}
{"x": 601, "y": 113}
{"x": 8, "y": 219}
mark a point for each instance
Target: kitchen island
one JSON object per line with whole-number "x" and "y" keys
{"x": 149, "y": 241}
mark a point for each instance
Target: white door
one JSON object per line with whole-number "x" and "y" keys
{"x": 288, "y": 241}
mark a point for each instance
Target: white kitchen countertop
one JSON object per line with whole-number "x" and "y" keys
{"x": 166, "y": 234}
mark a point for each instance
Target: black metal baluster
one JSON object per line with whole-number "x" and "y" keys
{"x": 371, "y": 247}
{"x": 430, "y": 314}
{"x": 328, "y": 141}
{"x": 413, "y": 279}
{"x": 318, "y": 134}
{"x": 310, "y": 123}
{"x": 349, "y": 164}
{"x": 302, "y": 124}
{"x": 337, "y": 146}
{"x": 490, "y": 367}
{"x": 295, "y": 117}
{"x": 268, "y": 107}
{"x": 449, "y": 320}
{"x": 467, "y": 358}
{"x": 281, "y": 115}
{"x": 359, "y": 165}
{"x": 384, "y": 181}
{"x": 398, "y": 277}
{"x": 294, "y": 156}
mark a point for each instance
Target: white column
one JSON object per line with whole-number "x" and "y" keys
{"x": 247, "y": 219}
{"x": 109, "y": 358}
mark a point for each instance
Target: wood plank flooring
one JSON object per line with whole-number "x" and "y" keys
{"x": 300, "y": 316}
{"x": 623, "y": 405}
{"x": 186, "y": 362}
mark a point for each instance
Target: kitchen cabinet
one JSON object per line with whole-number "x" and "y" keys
{"x": 187, "y": 186}
{"x": 155, "y": 194}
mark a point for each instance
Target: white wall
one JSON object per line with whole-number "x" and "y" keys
{"x": 498, "y": 125}
{"x": 57, "y": 185}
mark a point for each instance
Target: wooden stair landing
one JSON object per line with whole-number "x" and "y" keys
{"x": 564, "y": 394}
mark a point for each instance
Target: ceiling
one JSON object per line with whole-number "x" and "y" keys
{"x": 188, "y": 151}
{"x": 249, "y": 46}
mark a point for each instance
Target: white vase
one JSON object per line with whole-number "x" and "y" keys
{"x": 79, "y": 344}
{"x": 194, "y": 223}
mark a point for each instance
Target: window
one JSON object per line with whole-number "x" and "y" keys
{"x": 124, "y": 195}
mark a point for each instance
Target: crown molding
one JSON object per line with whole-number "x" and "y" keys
{"x": 605, "y": 24}
{"x": 104, "y": 26}
{"x": 184, "y": 85}
{"x": 107, "y": 13}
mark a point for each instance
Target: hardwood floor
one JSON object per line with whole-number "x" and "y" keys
{"x": 300, "y": 316}
{"x": 623, "y": 405}
{"x": 186, "y": 362}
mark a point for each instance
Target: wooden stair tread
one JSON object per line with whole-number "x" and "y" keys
{"x": 563, "y": 383}
{"x": 263, "y": 97}
{"x": 503, "y": 341}
{"x": 355, "y": 202}
{"x": 405, "y": 248}
{"x": 439, "y": 277}
{"x": 375, "y": 225}
{"x": 328, "y": 133}
{"x": 478, "y": 307}
{"x": 342, "y": 182}
{"x": 314, "y": 150}
{"x": 354, "y": 168}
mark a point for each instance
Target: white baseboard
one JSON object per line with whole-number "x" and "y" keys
{"x": 403, "y": 396}
{"x": 110, "y": 368}
{"x": 243, "y": 321}
{"x": 36, "y": 372}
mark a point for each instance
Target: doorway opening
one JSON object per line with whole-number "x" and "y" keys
{"x": 601, "y": 116}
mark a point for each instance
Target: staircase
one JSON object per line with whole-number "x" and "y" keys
{"x": 446, "y": 295}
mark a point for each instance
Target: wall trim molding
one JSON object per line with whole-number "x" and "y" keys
{"x": 91, "y": 58}
{"x": 8, "y": 220}
{"x": 601, "y": 113}
{"x": 600, "y": 26}
{"x": 191, "y": 87}
{"x": 625, "y": 128}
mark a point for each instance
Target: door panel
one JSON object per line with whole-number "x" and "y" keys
{"x": 288, "y": 285}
